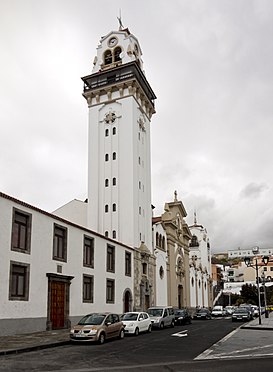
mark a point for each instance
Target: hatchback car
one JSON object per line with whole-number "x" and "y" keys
{"x": 136, "y": 322}
{"x": 203, "y": 314}
{"x": 97, "y": 327}
{"x": 241, "y": 314}
{"x": 182, "y": 316}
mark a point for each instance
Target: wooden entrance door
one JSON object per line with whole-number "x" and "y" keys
{"x": 57, "y": 311}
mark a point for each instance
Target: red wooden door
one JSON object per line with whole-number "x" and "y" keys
{"x": 57, "y": 304}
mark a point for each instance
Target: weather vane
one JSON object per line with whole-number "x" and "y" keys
{"x": 121, "y": 27}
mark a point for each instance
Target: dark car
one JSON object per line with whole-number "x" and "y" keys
{"x": 241, "y": 314}
{"x": 203, "y": 314}
{"x": 182, "y": 316}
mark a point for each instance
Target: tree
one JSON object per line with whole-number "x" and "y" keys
{"x": 249, "y": 294}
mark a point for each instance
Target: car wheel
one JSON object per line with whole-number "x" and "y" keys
{"x": 149, "y": 329}
{"x": 161, "y": 325}
{"x": 121, "y": 334}
{"x": 136, "y": 331}
{"x": 172, "y": 323}
{"x": 101, "y": 339}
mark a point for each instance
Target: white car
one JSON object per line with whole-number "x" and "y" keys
{"x": 218, "y": 311}
{"x": 136, "y": 322}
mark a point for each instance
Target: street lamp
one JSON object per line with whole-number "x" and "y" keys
{"x": 256, "y": 267}
{"x": 265, "y": 302}
{"x": 266, "y": 259}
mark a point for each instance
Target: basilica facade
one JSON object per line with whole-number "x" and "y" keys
{"x": 108, "y": 252}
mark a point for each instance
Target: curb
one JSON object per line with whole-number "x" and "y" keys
{"x": 257, "y": 328}
{"x": 33, "y": 348}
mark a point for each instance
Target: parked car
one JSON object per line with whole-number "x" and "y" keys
{"x": 97, "y": 327}
{"x": 136, "y": 322}
{"x": 255, "y": 310}
{"x": 241, "y": 314}
{"x": 182, "y": 316}
{"x": 229, "y": 310}
{"x": 203, "y": 314}
{"x": 248, "y": 308}
{"x": 161, "y": 316}
{"x": 218, "y": 311}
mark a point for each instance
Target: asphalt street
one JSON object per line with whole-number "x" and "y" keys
{"x": 215, "y": 345}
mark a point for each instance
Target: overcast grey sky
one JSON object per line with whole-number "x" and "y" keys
{"x": 210, "y": 63}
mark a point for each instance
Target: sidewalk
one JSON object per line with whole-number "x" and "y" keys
{"x": 266, "y": 323}
{"x": 33, "y": 341}
{"x": 42, "y": 340}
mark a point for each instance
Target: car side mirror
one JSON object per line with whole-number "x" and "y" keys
{"x": 108, "y": 323}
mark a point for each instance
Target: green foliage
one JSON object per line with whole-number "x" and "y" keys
{"x": 249, "y": 294}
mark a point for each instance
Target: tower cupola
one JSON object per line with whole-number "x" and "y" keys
{"x": 115, "y": 49}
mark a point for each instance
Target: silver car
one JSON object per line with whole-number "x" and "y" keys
{"x": 162, "y": 316}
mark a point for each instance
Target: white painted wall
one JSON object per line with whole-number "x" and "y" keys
{"x": 161, "y": 260}
{"x": 41, "y": 262}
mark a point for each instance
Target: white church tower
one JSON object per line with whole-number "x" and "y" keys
{"x": 121, "y": 104}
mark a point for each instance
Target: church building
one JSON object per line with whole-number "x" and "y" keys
{"x": 107, "y": 253}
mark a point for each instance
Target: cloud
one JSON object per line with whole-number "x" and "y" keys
{"x": 253, "y": 190}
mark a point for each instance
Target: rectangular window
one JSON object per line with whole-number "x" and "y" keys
{"x": 60, "y": 243}
{"x": 19, "y": 281}
{"x": 128, "y": 263}
{"x": 21, "y": 231}
{"x": 88, "y": 252}
{"x": 110, "y": 261}
{"x": 88, "y": 288}
{"x": 110, "y": 291}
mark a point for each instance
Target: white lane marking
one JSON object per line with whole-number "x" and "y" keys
{"x": 181, "y": 333}
{"x": 244, "y": 356}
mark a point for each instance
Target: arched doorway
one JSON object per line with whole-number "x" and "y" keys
{"x": 180, "y": 296}
{"x": 127, "y": 300}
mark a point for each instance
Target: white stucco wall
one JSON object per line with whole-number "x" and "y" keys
{"x": 161, "y": 261}
{"x": 41, "y": 263}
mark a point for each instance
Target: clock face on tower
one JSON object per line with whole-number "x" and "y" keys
{"x": 112, "y": 41}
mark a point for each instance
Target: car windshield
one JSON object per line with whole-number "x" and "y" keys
{"x": 202, "y": 311}
{"x": 130, "y": 316}
{"x": 155, "y": 312}
{"x": 241, "y": 310}
{"x": 180, "y": 312}
{"x": 92, "y": 319}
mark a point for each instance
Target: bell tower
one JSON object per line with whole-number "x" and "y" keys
{"x": 121, "y": 105}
